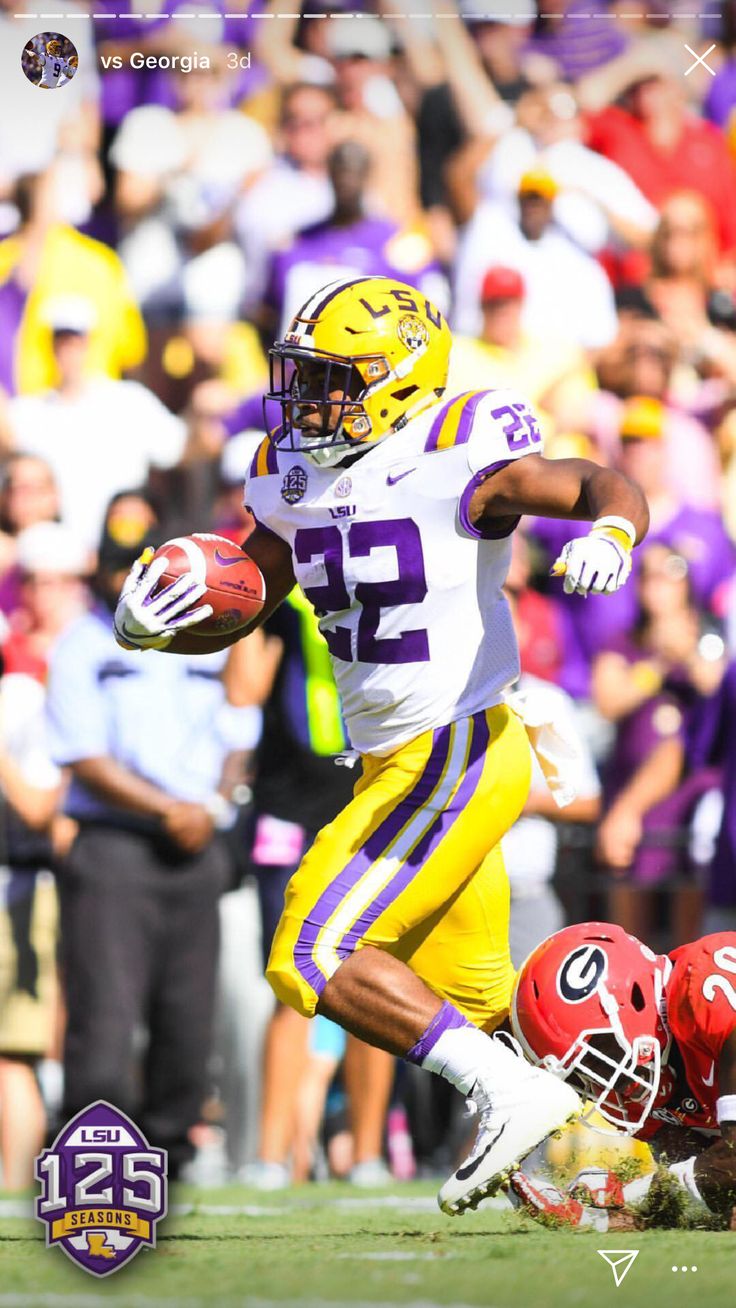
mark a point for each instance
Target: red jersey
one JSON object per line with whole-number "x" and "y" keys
{"x": 700, "y": 162}
{"x": 700, "y": 998}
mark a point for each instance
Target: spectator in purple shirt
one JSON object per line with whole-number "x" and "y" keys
{"x": 720, "y": 101}
{"x": 648, "y": 681}
{"x": 578, "y": 34}
{"x": 696, "y": 534}
{"x": 348, "y": 243}
{"x": 712, "y": 740}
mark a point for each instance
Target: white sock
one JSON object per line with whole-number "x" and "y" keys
{"x": 460, "y": 1055}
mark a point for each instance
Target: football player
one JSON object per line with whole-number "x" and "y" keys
{"x": 55, "y": 69}
{"x": 392, "y": 507}
{"x": 650, "y": 1041}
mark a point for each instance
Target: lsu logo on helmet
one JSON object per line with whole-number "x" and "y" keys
{"x": 360, "y": 359}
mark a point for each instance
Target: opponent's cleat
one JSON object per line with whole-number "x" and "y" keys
{"x": 512, "y": 1121}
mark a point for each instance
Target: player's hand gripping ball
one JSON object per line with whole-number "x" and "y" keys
{"x": 192, "y": 590}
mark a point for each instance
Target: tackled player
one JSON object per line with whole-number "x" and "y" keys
{"x": 392, "y": 508}
{"x": 650, "y": 1040}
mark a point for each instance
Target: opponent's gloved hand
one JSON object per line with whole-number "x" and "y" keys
{"x": 147, "y": 621}
{"x": 599, "y": 563}
{"x": 598, "y": 1187}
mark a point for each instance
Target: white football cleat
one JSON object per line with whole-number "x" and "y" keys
{"x": 512, "y": 1120}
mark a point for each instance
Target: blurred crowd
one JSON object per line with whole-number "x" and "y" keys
{"x": 563, "y": 185}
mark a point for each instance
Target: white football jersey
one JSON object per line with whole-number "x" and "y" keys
{"x": 407, "y": 592}
{"x": 55, "y": 70}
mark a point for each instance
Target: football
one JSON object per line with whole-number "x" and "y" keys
{"x": 235, "y": 586}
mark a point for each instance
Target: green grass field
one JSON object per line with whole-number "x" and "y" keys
{"x": 332, "y": 1244}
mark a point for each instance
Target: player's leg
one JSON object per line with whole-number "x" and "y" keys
{"x": 369, "y": 1076}
{"x": 285, "y": 1050}
{"x": 326, "y": 1050}
{"x": 182, "y": 1000}
{"x": 22, "y": 1121}
{"x": 421, "y": 824}
{"x": 107, "y": 950}
{"x": 417, "y": 828}
{"x": 284, "y": 1061}
{"x": 476, "y": 979}
{"x": 463, "y": 952}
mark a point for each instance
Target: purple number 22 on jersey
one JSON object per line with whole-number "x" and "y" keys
{"x": 521, "y": 429}
{"x": 408, "y": 587}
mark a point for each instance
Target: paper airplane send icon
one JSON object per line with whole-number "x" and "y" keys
{"x": 619, "y": 1260}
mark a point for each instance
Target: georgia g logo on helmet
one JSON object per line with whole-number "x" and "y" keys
{"x": 581, "y": 973}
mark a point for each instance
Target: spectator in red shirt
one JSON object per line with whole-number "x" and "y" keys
{"x": 665, "y": 148}
{"x": 536, "y": 617}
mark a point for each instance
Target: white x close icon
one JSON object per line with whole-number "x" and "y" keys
{"x": 700, "y": 59}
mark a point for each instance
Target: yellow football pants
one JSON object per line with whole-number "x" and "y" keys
{"x": 413, "y": 865}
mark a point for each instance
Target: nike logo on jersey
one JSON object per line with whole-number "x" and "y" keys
{"x": 226, "y": 561}
{"x": 463, "y": 1173}
{"x": 393, "y": 477}
{"x": 708, "y": 1080}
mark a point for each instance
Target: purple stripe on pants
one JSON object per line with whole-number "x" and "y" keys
{"x": 448, "y": 1018}
{"x": 413, "y": 865}
{"x": 367, "y": 854}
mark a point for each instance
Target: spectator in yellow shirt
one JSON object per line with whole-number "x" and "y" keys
{"x": 545, "y": 370}
{"x": 46, "y": 258}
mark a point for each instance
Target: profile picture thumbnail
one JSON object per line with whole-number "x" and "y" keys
{"x": 49, "y": 60}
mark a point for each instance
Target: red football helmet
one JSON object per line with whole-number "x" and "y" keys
{"x": 588, "y": 1005}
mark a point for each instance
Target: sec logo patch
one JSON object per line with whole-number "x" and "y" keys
{"x": 103, "y": 1189}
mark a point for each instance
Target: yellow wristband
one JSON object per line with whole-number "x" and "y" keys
{"x": 616, "y": 529}
{"x": 613, "y": 533}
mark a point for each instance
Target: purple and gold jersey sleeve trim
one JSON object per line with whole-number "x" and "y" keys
{"x": 454, "y": 422}
{"x": 482, "y": 533}
{"x": 265, "y": 460}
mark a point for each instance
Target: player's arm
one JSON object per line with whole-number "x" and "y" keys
{"x": 145, "y": 621}
{"x": 715, "y": 1168}
{"x": 575, "y": 489}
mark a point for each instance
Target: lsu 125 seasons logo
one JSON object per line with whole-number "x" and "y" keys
{"x": 103, "y": 1189}
{"x": 294, "y": 485}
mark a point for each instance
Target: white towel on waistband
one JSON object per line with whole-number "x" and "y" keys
{"x": 555, "y": 742}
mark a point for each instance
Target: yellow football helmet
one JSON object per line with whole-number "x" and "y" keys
{"x": 360, "y": 359}
{"x": 53, "y": 47}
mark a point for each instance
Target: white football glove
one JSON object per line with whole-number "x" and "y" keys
{"x": 600, "y": 563}
{"x": 147, "y": 621}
